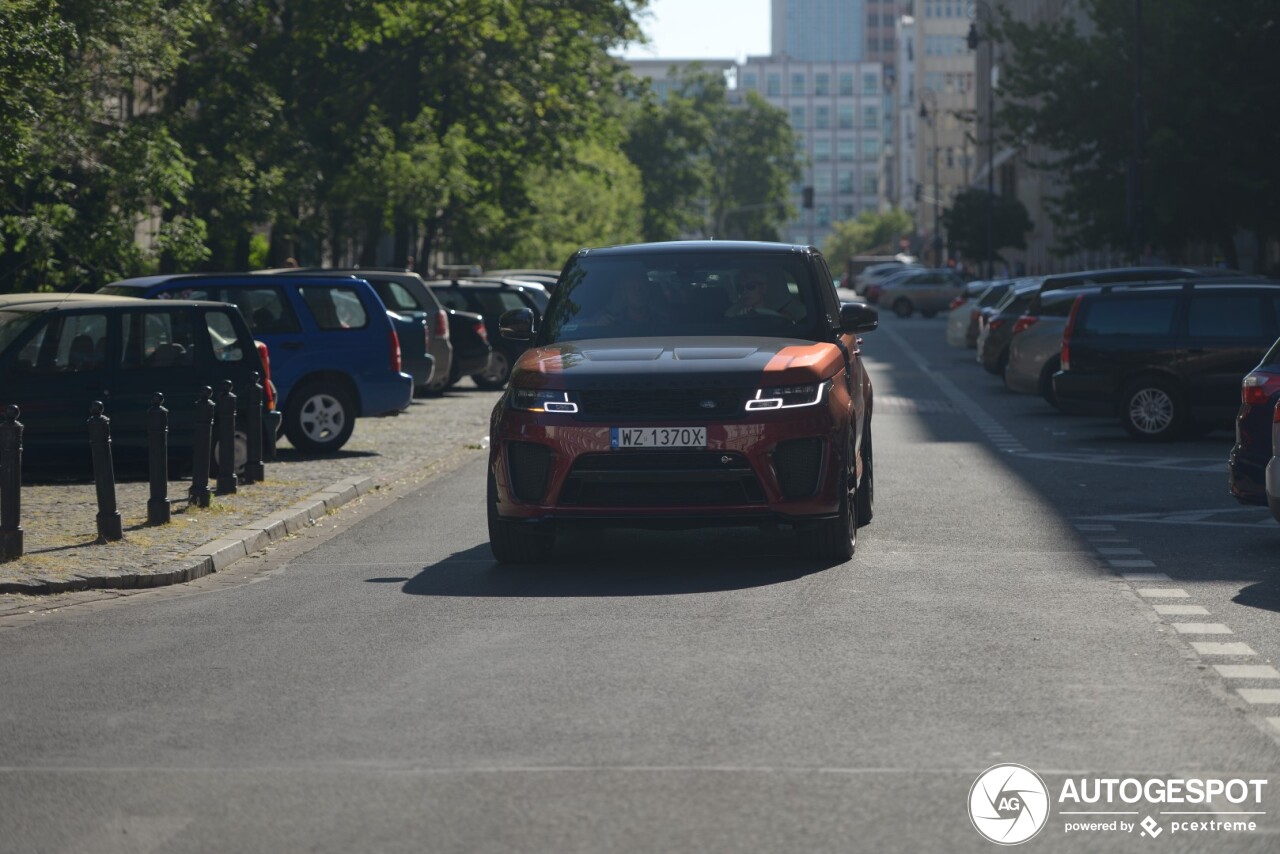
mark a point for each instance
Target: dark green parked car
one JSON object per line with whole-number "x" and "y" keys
{"x": 61, "y": 352}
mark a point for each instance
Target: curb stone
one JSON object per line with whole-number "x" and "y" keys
{"x": 220, "y": 553}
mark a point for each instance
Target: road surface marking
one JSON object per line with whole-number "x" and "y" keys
{"x": 1202, "y": 629}
{"x": 1259, "y": 696}
{"x": 1181, "y": 610}
{"x": 1148, "y": 576}
{"x": 1163, "y": 593}
{"x": 1247, "y": 671}
{"x": 1207, "y": 648}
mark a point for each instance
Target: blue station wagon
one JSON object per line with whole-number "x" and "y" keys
{"x": 335, "y": 355}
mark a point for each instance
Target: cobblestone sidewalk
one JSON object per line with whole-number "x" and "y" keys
{"x": 62, "y": 551}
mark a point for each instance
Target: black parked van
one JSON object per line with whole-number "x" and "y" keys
{"x": 1167, "y": 359}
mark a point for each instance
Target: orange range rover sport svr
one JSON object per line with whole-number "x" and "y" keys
{"x": 685, "y": 384}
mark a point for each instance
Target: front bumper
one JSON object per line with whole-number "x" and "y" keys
{"x": 770, "y": 467}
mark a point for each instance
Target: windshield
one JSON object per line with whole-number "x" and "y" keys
{"x": 11, "y": 325}
{"x": 684, "y": 294}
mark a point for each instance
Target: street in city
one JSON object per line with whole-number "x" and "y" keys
{"x": 1034, "y": 589}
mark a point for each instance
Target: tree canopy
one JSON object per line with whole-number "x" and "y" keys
{"x": 1211, "y": 73}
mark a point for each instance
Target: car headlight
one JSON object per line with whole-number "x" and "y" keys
{"x": 788, "y": 396}
{"x": 542, "y": 400}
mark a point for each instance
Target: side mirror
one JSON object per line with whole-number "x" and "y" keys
{"x": 858, "y": 317}
{"x": 517, "y": 324}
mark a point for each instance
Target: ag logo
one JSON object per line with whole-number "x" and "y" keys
{"x": 1008, "y": 804}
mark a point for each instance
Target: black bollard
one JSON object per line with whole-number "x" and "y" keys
{"x": 226, "y": 440}
{"x": 104, "y": 476}
{"x": 253, "y": 468}
{"x": 201, "y": 444}
{"x": 10, "y": 484}
{"x": 158, "y": 448}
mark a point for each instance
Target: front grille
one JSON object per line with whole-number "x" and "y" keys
{"x": 529, "y": 465}
{"x": 700, "y": 403}
{"x": 661, "y": 479}
{"x": 798, "y": 463}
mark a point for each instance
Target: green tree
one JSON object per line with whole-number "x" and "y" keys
{"x": 710, "y": 166}
{"x": 965, "y": 223}
{"x": 872, "y": 233}
{"x": 1211, "y": 73}
{"x": 86, "y": 165}
{"x": 595, "y": 200}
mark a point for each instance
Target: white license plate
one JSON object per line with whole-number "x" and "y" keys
{"x": 621, "y": 438}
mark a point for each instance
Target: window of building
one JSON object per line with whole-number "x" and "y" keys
{"x": 886, "y": 44}
{"x": 846, "y": 211}
{"x": 873, "y": 19}
{"x": 821, "y": 149}
{"x": 871, "y": 148}
{"x": 846, "y": 116}
{"x": 797, "y": 117}
{"x": 846, "y": 148}
{"x": 797, "y": 83}
{"x": 822, "y": 181}
{"x": 822, "y": 84}
{"x": 773, "y": 83}
{"x": 870, "y": 117}
{"x": 846, "y": 182}
{"x": 871, "y": 184}
{"x": 822, "y": 117}
{"x": 846, "y": 83}
{"x": 749, "y": 80}
{"x": 870, "y": 83}
{"x": 822, "y": 214}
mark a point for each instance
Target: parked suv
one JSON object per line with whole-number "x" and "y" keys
{"x": 404, "y": 293}
{"x": 490, "y": 300}
{"x": 995, "y": 325}
{"x": 1250, "y": 465}
{"x": 1165, "y": 358}
{"x": 926, "y": 291}
{"x": 335, "y": 355}
{"x": 61, "y": 352}
{"x": 686, "y": 383}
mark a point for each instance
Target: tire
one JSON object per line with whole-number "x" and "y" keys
{"x": 319, "y": 417}
{"x": 902, "y": 307}
{"x": 837, "y": 538}
{"x": 1152, "y": 410}
{"x": 515, "y": 542}
{"x": 1046, "y": 382}
{"x": 496, "y": 373}
{"x": 241, "y": 452}
{"x": 866, "y": 494}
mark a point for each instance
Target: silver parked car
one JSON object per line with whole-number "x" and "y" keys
{"x": 1035, "y": 353}
{"x": 927, "y": 291}
{"x": 962, "y": 313}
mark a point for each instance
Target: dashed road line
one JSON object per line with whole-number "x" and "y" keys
{"x": 1187, "y": 629}
{"x": 992, "y": 429}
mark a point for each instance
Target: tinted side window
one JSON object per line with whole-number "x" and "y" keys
{"x": 1131, "y": 316}
{"x": 335, "y": 308}
{"x": 157, "y": 339}
{"x": 223, "y": 337}
{"x": 267, "y": 310}
{"x": 67, "y": 343}
{"x": 496, "y": 302}
{"x": 451, "y": 298}
{"x": 1228, "y": 316}
{"x": 396, "y": 296}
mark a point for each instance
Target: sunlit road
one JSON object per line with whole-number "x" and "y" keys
{"x": 389, "y": 688}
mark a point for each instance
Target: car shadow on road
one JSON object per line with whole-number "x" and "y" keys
{"x": 590, "y": 566}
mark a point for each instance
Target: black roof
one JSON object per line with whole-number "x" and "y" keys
{"x": 700, "y": 247}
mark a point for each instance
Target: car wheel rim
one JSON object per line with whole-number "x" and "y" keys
{"x": 496, "y": 370}
{"x": 322, "y": 417}
{"x": 1151, "y": 410}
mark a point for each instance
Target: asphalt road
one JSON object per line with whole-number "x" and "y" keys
{"x": 381, "y": 685}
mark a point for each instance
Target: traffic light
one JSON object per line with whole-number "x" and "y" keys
{"x": 807, "y": 195}
{"x": 919, "y": 192}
